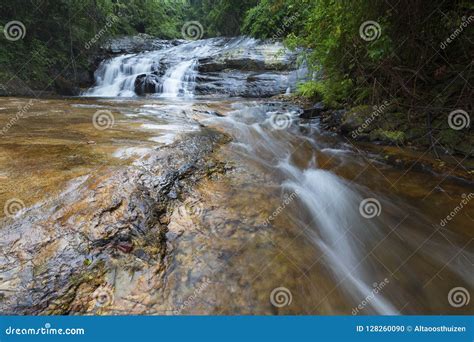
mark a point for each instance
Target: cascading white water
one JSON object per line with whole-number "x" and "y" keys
{"x": 172, "y": 70}
{"x": 333, "y": 205}
{"x": 180, "y": 79}
{"x": 330, "y": 201}
{"x": 116, "y": 77}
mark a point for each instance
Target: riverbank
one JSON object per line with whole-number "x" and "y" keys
{"x": 402, "y": 144}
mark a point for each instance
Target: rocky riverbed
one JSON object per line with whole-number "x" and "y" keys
{"x": 164, "y": 191}
{"x": 64, "y": 247}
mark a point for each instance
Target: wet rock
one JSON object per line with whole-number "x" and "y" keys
{"x": 147, "y": 84}
{"x": 255, "y": 69}
{"x": 242, "y": 83}
{"x": 173, "y": 194}
{"x": 140, "y": 253}
{"x": 107, "y": 212}
{"x": 333, "y": 119}
{"x": 314, "y": 111}
{"x": 245, "y": 55}
{"x": 125, "y": 247}
{"x": 138, "y": 43}
{"x": 243, "y": 64}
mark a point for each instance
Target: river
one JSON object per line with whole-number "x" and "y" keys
{"x": 166, "y": 189}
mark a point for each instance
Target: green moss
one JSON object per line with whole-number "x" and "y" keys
{"x": 415, "y": 133}
{"x": 390, "y": 137}
{"x": 449, "y": 137}
{"x": 309, "y": 90}
{"x": 362, "y": 111}
{"x": 333, "y": 91}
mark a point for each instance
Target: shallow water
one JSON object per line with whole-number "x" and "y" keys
{"x": 329, "y": 255}
{"x": 47, "y": 143}
{"x": 285, "y": 217}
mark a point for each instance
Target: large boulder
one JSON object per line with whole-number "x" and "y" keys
{"x": 147, "y": 84}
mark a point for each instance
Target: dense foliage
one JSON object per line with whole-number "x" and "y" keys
{"x": 416, "y": 56}
{"x": 420, "y": 59}
{"x": 220, "y": 17}
{"x": 410, "y": 40}
{"x": 60, "y": 33}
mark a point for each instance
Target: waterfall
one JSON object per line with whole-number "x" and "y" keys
{"x": 180, "y": 79}
{"x": 116, "y": 76}
{"x": 224, "y": 66}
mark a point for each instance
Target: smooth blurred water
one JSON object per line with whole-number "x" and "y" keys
{"x": 172, "y": 71}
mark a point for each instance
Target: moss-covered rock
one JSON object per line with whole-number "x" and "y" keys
{"x": 355, "y": 118}
{"x": 362, "y": 120}
{"x": 388, "y": 137}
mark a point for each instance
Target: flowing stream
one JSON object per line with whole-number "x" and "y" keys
{"x": 301, "y": 216}
{"x": 365, "y": 247}
{"x": 232, "y": 66}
